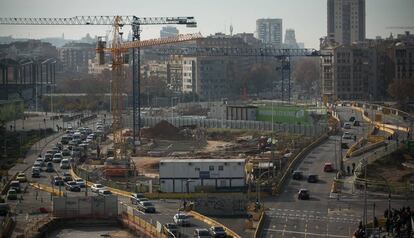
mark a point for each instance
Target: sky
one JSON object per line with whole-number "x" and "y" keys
{"x": 307, "y": 17}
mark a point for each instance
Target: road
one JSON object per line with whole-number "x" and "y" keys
{"x": 165, "y": 209}
{"x": 321, "y": 216}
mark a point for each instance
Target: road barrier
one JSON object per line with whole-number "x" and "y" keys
{"x": 48, "y": 189}
{"x": 211, "y": 222}
{"x": 367, "y": 148}
{"x": 259, "y": 228}
{"x": 129, "y": 219}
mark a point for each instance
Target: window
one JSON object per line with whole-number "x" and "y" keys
{"x": 220, "y": 168}
{"x": 211, "y": 168}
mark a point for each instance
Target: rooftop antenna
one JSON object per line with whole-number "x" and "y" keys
{"x": 231, "y": 29}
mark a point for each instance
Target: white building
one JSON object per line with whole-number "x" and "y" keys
{"x": 185, "y": 175}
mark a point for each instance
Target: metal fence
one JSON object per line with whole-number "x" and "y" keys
{"x": 307, "y": 130}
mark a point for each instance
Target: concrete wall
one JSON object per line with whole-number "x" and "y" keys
{"x": 96, "y": 206}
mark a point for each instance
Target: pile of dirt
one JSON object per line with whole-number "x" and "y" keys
{"x": 162, "y": 130}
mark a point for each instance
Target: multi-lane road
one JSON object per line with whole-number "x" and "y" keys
{"x": 323, "y": 215}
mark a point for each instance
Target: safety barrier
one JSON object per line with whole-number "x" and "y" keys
{"x": 211, "y": 222}
{"x": 367, "y": 148}
{"x": 48, "y": 189}
{"x": 129, "y": 219}
{"x": 259, "y": 228}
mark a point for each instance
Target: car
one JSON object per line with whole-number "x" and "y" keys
{"x": 21, "y": 177}
{"x": 56, "y": 150}
{"x": 48, "y": 157}
{"x": 76, "y": 151}
{"x": 52, "y": 152}
{"x": 59, "y": 146}
{"x": 146, "y": 207}
{"x": 15, "y": 185}
{"x": 58, "y": 181}
{"x": 136, "y": 197}
{"x": 66, "y": 177}
{"x": 352, "y": 118}
{"x": 65, "y": 140}
{"x": 202, "y": 233}
{"x": 297, "y": 175}
{"x": 104, "y": 192}
{"x": 303, "y": 194}
{"x": 64, "y": 164}
{"x": 80, "y": 182}
{"x": 347, "y": 125}
{"x": 4, "y": 209}
{"x": 57, "y": 158}
{"x": 72, "y": 186}
{"x": 347, "y": 136}
{"x": 170, "y": 229}
{"x": 313, "y": 178}
{"x": 357, "y": 123}
{"x": 11, "y": 194}
{"x": 35, "y": 173}
{"x": 218, "y": 232}
{"x": 181, "y": 219}
{"x": 344, "y": 146}
{"x": 40, "y": 161}
{"x": 328, "y": 167}
{"x": 65, "y": 153}
{"x": 49, "y": 167}
{"x": 96, "y": 187}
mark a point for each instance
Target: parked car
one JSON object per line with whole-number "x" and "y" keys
{"x": 303, "y": 194}
{"x": 11, "y": 194}
{"x": 181, "y": 219}
{"x": 64, "y": 164}
{"x": 218, "y": 232}
{"x": 49, "y": 167}
{"x": 136, "y": 197}
{"x": 96, "y": 187}
{"x": 72, "y": 186}
{"x": 297, "y": 175}
{"x": 57, "y": 158}
{"x": 104, "y": 192}
{"x": 21, "y": 177}
{"x": 313, "y": 178}
{"x": 170, "y": 229}
{"x": 80, "y": 182}
{"x": 202, "y": 233}
{"x": 146, "y": 207}
{"x": 35, "y": 173}
{"x": 328, "y": 167}
{"x": 15, "y": 185}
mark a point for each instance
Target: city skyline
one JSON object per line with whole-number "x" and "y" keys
{"x": 308, "y": 18}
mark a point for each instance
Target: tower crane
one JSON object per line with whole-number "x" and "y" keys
{"x": 135, "y": 23}
{"x": 283, "y": 55}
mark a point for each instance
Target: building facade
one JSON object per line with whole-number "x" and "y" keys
{"x": 404, "y": 57}
{"x": 290, "y": 39}
{"x": 346, "y": 21}
{"x": 269, "y": 31}
{"x": 168, "y": 31}
{"x": 191, "y": 175}
{"x": 75, "y": 56}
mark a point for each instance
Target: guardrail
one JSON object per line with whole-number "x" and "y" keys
{"x": 212, "y": 222}
{"x": 259, "y": 228}
{"x": 48, "y": 189}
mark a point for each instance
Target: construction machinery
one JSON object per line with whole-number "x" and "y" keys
{"x": 135, "y": 23}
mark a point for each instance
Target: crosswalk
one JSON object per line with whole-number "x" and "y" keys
{"x": 310, "y": 215}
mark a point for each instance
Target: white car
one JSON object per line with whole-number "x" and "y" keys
{"x": 64, "y": 164}
{"x": 80, "y": 182}
{"x": 347, "y": 136}
{"x": 181, "y": 219}
{"x": 104, "y": 192}
{"x": 96, "y": 187}
{"x": 57, "y": 158}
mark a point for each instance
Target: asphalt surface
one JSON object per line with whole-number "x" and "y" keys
{"x": 322, "y": 216}
{"x": 166, "y": 209}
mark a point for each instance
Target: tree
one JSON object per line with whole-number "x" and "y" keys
{"x": 402, "y": 91}
{"x": 259, "y": 78}
{"x": 306, "y": 74}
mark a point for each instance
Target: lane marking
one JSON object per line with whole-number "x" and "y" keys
{"x": 309, "y": 233}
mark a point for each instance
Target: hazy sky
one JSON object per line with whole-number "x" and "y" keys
{"x": 307, "y": 17}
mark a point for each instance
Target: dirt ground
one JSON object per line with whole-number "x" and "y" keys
{"x": 215, "y": 145}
